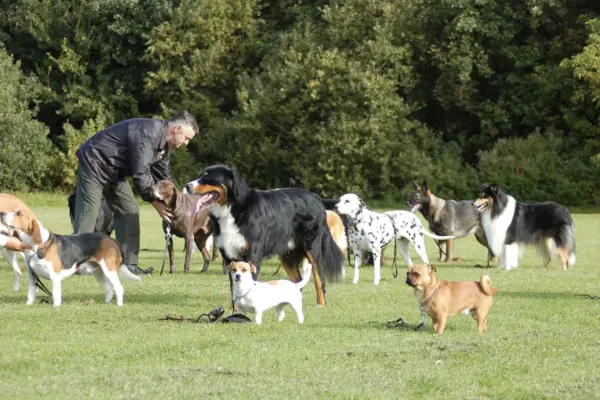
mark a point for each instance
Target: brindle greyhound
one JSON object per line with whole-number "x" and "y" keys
{"x": 448, "y": 218}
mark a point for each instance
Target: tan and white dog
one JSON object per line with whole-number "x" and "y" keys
{"x": 443, "y": 299}
{"x": 56, "y": 257}
{"x": 257, "y": 297}
{"x": 9, "y": 203}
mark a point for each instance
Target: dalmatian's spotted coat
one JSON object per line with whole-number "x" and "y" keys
{"x": 372, "y": 231}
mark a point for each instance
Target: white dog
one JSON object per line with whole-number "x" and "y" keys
{"x": 372, "y": 231}
{"x": 257, "y": 297}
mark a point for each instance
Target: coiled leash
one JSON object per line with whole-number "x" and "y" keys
{"x": 167, "y": 242}
{"x": 394, "y": 274}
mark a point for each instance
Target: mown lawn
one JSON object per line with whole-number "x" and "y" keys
{"x": 543, "y": 338}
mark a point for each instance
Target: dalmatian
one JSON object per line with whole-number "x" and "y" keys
{"x": 372, "y": 231}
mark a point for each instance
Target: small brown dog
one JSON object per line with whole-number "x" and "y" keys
{"x": 183, "y": 224}
{"x": 443, "y": 299}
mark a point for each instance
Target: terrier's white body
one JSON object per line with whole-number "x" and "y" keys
{"x": 257, "y": 297}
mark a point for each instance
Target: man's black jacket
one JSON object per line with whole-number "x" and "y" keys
{"x": 135, "y": 147}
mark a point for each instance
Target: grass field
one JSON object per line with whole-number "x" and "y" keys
{"x": 543, "y": 338}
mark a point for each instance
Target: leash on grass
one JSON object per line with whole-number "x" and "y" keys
{"x": 394, "y": 274}
{"x": 167, "y": 242}
{"x": 212, "y": 316}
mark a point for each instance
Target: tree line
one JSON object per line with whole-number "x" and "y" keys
{"x": 357, "y": 96}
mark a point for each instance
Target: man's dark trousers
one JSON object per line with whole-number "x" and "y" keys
{"x": 120, "y": 200}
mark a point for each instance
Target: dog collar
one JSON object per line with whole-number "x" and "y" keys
{"x": 427, "y": 300}
{"x": 246, "y": 294}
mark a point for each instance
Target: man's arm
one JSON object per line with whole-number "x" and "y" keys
{"x": 162, "y": 169}
{"x": 12, "y": 243}
{"x": 141, "y": 155}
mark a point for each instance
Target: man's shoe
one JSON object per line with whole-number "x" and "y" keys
{"x": 134, "y": 269}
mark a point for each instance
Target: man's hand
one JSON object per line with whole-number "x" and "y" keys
{"x": 12, "y": 243}
{"x": 164, "y": 213}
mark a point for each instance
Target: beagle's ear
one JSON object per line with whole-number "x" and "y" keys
{"x": 252, "y": 267}
{"x": 432, "y": 268}
{"x": 36, "y": 232}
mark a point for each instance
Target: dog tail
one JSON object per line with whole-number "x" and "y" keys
{"x": 332, "y": 262}
{"x": 570, "y": 234}
{"x": 486, "y": 285}
{"x": 434, "y": 236}
{"x": 126, "y": 273}
{"x": 306, "y": 269}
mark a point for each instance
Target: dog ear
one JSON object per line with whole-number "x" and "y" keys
{"x": 231, "y": 264}
{"x": 425, "y": 187}
{"x": 296, "y": 183}
{"x": 494, "y": 188}
{"x": 176, "y": 199}
{"x": 416, "y": 185}
{"x": 36, "y": 232}
{"x": 240, "y": 188}
{"x": 252, "y": 267}
{"x": 361, "y": 205}
{"x": 432, "y": 268}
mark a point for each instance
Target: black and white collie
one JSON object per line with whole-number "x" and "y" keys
{"x": 251, "y": 225}
{"x": 509, "y": 224}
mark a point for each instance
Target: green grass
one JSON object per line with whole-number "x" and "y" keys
{"x": 543, "y": 338}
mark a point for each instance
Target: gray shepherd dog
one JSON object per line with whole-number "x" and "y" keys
{"x": 448, "y": 218}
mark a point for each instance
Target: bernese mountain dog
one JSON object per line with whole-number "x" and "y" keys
{"x": 251, "y": 225}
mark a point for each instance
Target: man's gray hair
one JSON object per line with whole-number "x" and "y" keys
{"x": 184, "y": 118}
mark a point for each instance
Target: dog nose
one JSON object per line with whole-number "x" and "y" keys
{"x": 237, "y": 276}
{"x": 188, "y": 188}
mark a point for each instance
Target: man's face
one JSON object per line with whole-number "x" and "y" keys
{"x": 181, "y": 134}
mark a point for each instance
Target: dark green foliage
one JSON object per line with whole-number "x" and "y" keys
{"x": 358, "y": 95}
{"x": 25, "y": 151}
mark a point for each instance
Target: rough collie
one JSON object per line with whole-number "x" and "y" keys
{"x": 509, "y": 224}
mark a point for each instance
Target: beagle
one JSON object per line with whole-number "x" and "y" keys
{"x": 56, "y": 257}
{"x": 9, "y": 203}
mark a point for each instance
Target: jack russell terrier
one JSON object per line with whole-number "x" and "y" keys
{"x": 257, "y": 297}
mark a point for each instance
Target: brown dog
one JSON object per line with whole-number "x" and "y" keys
{"x": 183, "y": 224}
{"x": 443, "y": 299}
{"x": 10, "y": 203}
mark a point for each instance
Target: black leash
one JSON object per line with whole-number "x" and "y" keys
{"x": 394, "y": 274}
{"x": 167, "y": 242}
{"x": 439, "y": 247}
{"x": 36, "y": 278}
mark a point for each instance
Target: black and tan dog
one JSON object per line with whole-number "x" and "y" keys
{"x": 251, "y": 225}
{"x": 183, "y": 222}
{"x": 448, "y": 218}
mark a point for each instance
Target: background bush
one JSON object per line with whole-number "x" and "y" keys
{"x": 362, "y": 96}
